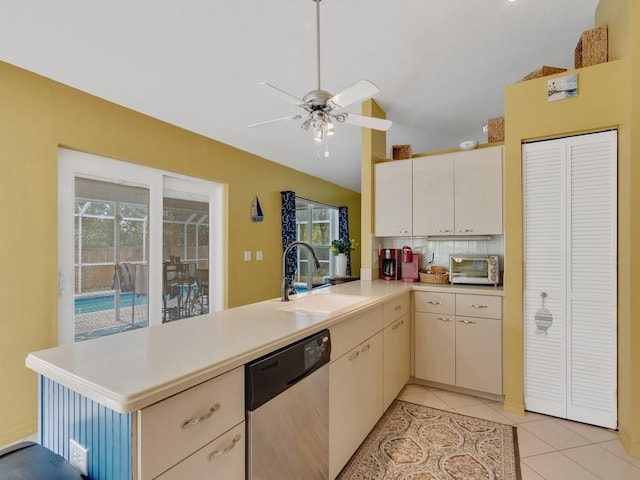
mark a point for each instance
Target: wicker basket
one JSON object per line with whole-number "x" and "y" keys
{"x": 495, "y": 127}
{"x": 400, "y": 152}
{"x": 543, "y": 72}
{"x": 434, "y": 277}
{"x": 592, "y": 47}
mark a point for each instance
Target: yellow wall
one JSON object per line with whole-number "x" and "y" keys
{"x": 607, "y": 98}
{"x": 37, "y": 116}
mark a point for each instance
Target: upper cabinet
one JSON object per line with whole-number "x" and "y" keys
{"x": 393, "y": 200}
{"x": 478, "y": 191}
{"x": 457, "y": 193}
{"x": 433, "y": 195}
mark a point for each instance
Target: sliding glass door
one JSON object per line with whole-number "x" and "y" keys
{"x": 137, "y": 246}
{"x": 111, "y": 232}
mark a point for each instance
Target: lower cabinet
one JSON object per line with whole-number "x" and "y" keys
{"x": 479, "y": 354}
{"x": 458, "y": 340}
{"x": 397, "y": 358}
{"x": 355, "y": 399}
{"x": 191, "y": 430}
{"x": 435, "y": 347}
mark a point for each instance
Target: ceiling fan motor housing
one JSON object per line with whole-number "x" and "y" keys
{"x": 316, "y": 98}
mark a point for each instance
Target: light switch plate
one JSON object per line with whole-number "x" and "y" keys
{"x": 247, "y": 255}
{"x": 258, "y": 254}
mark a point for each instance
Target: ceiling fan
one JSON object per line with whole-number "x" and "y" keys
{"x": 322, "y": 109}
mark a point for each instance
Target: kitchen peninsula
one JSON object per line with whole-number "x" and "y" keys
{"x": 127, "y": 387}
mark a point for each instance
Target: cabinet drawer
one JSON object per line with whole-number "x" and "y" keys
{"x": 353, "y": 331}
{"x": 174, "y": 428}
{"x": 222, "y": 458}
{"x": 485, "y": 306}
{"x": 435, "y": 302}
{"x": 394, "y": 309}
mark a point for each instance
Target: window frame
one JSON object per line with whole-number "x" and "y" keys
{"x": 302, "y": 264}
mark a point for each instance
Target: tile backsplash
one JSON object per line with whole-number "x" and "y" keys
{"x": 441, "y": 249}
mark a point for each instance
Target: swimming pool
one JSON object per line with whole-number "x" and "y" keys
{"x": 106, "y": 301}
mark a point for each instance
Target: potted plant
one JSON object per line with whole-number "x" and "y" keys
{"x": 340, "y": 248}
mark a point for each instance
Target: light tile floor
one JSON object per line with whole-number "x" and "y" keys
{"x": 550, "y": 448}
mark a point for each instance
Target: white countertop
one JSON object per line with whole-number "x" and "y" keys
{"x": 129, "y": 371}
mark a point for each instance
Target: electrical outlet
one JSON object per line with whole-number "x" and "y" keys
{"x": 79, "y": 457}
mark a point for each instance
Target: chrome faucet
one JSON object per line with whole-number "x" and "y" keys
{"x": 286, "y": 285}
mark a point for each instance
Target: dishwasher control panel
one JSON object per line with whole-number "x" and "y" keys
{"x": 315, "y": 349}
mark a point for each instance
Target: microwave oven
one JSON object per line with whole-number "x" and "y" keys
{"x": 474, "y": 269}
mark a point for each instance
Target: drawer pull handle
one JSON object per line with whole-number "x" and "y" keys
{"x": 401, "y": 322}
{"x": 443, "y": 319}
{"x": 434, "y": 302}
{"x": 203, "y": 418}
{"x": 354, "y": 355}
{"x": 366, "y": 348}
{"x": 468, "y": 322}
{"x": 475, "y": 305}
{"x": 217, "y": 453}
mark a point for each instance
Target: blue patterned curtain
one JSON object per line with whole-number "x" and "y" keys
{"x": 343, "y": 231}
{"x": 289, "y": 230}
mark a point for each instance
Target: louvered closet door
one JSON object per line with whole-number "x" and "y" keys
{"x": 591, "y": 283}
{"x": 570, "y": 253}
{"x": 545, "y": 372}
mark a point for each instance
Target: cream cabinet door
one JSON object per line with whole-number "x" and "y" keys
{"x": 393, "y": 199}
{"x": 433, "y": 195}
{"x": 479, "y": 354}
{"x": 397, "y": 358}
{"x": 355, "y": 400}
{"x": 478, "y": 191}
{"x": 222, "y": 458}
{"x": 435, "y": 347}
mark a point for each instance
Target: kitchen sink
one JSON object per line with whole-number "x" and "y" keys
{"x": 322, "y": 303}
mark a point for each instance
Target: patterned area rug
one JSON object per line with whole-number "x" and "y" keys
{"x": 413, "y": 442}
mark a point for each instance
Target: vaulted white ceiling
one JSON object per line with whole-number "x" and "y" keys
{"x": 441, "y": 65}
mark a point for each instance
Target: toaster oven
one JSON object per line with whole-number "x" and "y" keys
{"x": 474, "y": 269}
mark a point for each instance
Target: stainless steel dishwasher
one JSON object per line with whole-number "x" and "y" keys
{"x": 287, "y": 403}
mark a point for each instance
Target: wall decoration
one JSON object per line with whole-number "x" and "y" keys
{"x": 562, "y": 88}
{"x": 256, "y": 210}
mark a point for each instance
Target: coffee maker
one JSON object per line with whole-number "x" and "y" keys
{"x": 410, "y": 265}
{"x": 390, "y": 261}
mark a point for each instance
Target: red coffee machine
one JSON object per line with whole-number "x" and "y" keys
{"x": 410, "y": 262}
{"x": 390, "y": 261}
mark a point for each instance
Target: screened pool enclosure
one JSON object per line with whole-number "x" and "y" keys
{"x": 111, "y": 257}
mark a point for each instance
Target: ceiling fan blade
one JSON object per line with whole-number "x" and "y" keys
{"x": 355, "y": 93}
{"x": 276, "y": 120}
{"x": 281, "y": 94}
{"x": 367, "y": 122}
